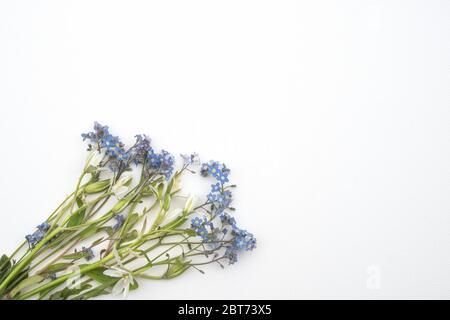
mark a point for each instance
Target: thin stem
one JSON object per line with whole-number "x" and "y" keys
{"x": 62, "y": 279}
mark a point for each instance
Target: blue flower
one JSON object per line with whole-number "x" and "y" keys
{"x": 227, "y": 219}
{"x": 221, "y": 201}
{"x": 30, "y": 239}
{"x": 212, "y": 197}
{"x": 168, "y": 164}
{"x": 231, "y": 254}
{"x": 89, "y": 254}
{"x": 96, "y": 135}
{"x": 39, "y": 235}
{"x": 214, "y": 168}
{"x": 36, "y": 237}
{"x": 203, "y": 233}
{"x": 163, "y": 162}
{"x": 217, "y": 170}
{"x": 204, "y": 228}
{"x": 216, "y": 187}
{"x": 154, "y": 159}
{"x": 251, "y": 244}
{"x": 140, "y": 149}
{"x": 120, "y": 220}
{"x": 223, "y": 178}
{"x": 243, "y": 240}
{"x": 196, "y": 222}
{"x": 43, "y": 227}
{"x": 225, "y": 169}
{"x": 239, "y": 243}
{"x": 224, "y": 200}
{"x": 114, "y": 148}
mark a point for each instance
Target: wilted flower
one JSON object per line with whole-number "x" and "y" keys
{"x": 89, "y": 253}
{"x": 120, "y": 220}
{"x": 122, "y": 287}
{"x": 191, "y": 159}
{"x": 121, "y": 187}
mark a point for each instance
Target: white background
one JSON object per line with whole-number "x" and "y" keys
{"x": 333, "y": 115}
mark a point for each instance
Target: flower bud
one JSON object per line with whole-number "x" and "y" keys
{"x": 96, "y": 187}
{"x": 122, "y": 204}
{"x": 166, "y": 203}
{"x": 177, "y": 269}
{"x": 188, "y": 206}
{"x": 121, "y": 187}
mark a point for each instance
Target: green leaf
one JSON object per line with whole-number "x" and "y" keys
{"x": 97, "y": 187}
{"x": 130, "y": 236}
{"x": 58, "y": 267}
{"x": 191, "y": 232}
{"x": 134, "y": 218}
{"x": 175, "y": 223}
{"x": 170, "y": 186}
{"x": 17, "y": 279}
{"x": 43, "y": 293}
{"x": 108, "y": 230}
{"x": 154, "y": 190}
{"x": 26, "y": 283}
{"x": 121, "y": 204}
{"x": 97, "y": 275}
{"x": 134, "y": 285}
{"x": 160, "y": 190}
{"x": 5, "y": 266}
{"x": 4, "y": 260}
{"x": 80, "y": 202}
{"x": 77, "y": 218}
{"x": 96, "y": 242}
{"x": 97, "y": 291}
{"x": 58, "y": 239}
{"x": 88, "y": 232}
{"x": 176, "y": 269}
{"x": 167, "y": 200}
{"x": 75, "y": 256}
{"x": 66, "y": 292}
{"x": 131, "y": 221}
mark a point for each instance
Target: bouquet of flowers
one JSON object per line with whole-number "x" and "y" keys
{"x": 127, "y": 219}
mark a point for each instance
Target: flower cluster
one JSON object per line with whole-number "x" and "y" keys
{"x": 102, "y": 139}
{"x": 126, "y": 206}
{"x": 118, "y": 158}
{"x": 217, "y": 170}
{"x": 220, "y": 198}
{"x": 38, "y": 235}
{"x": 163, "y": 162}
{"x": 204, "y": 228}
{"x": 139, "y": 151}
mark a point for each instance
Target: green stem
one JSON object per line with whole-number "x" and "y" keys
{"x": 26, "y": 260}
{"x": 60, "y": 280}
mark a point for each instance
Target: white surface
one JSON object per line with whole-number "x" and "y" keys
{"x": 333, "y": 115}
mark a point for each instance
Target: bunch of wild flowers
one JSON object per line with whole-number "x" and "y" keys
{"x": 126, "y": 220}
